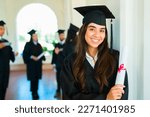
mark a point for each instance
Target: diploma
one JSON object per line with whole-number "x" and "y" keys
{"x": 122, "y": 68}
{"x": 41, "y": 55}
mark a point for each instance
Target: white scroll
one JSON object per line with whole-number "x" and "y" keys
{"x": 41, "y": 55}
{"x": 122, "y": 67}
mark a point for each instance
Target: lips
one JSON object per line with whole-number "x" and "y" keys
{"x": 95, "y": 40}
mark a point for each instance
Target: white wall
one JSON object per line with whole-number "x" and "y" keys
{"x": 131, "y": 35}
{"x": 76, "y": 18}
{"x": 2, "y": 12}
{"x": 146, "y": 39}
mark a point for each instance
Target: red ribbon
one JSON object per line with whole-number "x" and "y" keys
{"x": 121, "y": 67}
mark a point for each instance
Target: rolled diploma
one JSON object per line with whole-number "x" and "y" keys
{"x": 122, "y": 67}
{"x": 41, "y": 55}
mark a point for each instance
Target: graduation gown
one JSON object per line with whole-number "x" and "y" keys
{"x": 34, "y": 68}
{"x": 68, "y": 48}
{"x": 58, "y": 59}
{"x": 6, "y": 54}
{"x": 71, "y": 90}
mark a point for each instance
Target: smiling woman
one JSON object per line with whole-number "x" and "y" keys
{"x": 90, "y": 72}
{"x": 45, "y": 24}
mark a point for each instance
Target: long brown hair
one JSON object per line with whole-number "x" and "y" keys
{"x": 104, "y": 65}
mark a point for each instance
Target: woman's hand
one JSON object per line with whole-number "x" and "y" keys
{"x": 115, "y": 92}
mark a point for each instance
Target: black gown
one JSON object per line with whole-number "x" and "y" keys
{"x": 58, "y": 61}
{"x": 71, "y": 90}
{"x": 6, "y": 54}
{"x": 58, "y": 58}
{"x": 68, "y": 48}
{"x": 34, "y": 68}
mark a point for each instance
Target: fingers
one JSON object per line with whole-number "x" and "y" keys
{"x": 118, "y": 88}
{"x": 34, "y": 58}
{"x": 57, "y": 50}
{"x": 116, "y": 92}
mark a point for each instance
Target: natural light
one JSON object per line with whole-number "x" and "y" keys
{"x": 41, "y": 18}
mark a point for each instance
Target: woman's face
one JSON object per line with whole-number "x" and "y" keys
{"x": 95, "y": 35}
{"x": 35, "y": 37}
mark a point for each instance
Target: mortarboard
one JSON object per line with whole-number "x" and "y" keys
{"x": 72, "y": 32}
{"x": 73, "y": 28}
{"x": 96, "y": 14}
{"x": 2, "y": 23}
{"x": 60, "y": 31}
{"x": 32, "y": 32}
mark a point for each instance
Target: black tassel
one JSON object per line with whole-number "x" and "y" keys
{"x": 111, "y": 37}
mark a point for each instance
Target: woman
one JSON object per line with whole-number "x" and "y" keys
{"x": 90, "y": 72}
{"x": 34, "y": 64}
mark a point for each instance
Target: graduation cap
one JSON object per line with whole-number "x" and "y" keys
{"x": 2, "y": 23}
{"x": 96, "y": 14}
{"x": 32, "y": 32}
{"x": 72, "y": 31}
{"x": 60, "y": 31}
{"x": 73, "y": 28}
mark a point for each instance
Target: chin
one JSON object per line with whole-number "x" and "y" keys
{"x": 94, "y": 46}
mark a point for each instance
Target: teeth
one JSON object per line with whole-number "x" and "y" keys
{"x": 95, "y": 40}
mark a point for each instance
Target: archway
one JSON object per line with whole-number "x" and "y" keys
{"x": 39, "y": 17}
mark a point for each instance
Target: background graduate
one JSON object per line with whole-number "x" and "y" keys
{"x": 6, "y": 54}
{"x": 31, "y": 52}
{"x": 70, "y": 40}
{"x": 90, "y": 72}
{"x": 57, "y": 60}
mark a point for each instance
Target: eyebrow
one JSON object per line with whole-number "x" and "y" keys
{"x": 95, "y": 27}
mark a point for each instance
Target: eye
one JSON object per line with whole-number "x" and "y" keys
{"x": 102, "y": 30}
{"x": 91, "y": 29}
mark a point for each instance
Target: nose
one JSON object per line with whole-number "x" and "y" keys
{"x": 96, "y": 33}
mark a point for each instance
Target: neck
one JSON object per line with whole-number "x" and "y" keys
{"x": 92, "y": 52}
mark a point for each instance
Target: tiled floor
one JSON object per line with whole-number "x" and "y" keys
{"x": 19, "y": 87}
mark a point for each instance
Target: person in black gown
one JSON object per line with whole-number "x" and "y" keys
{"x": 90, "y": 72}
{"x": 57, "y": 60}
{"x": 70, "y": 40}
{"x": 31, "y": 52}
{"x": 6, "y": 54}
